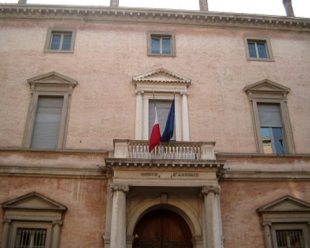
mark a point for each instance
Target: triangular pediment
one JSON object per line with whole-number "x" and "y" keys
{"x": 33, "y": 201}
{"x": 267, "y": 85}
{"x": 161, "y": 76}
{"x": 52, "y": 78}
{"x": 285, "y": 204}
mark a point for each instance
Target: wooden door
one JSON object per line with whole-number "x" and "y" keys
{"x": 162, "y": 229}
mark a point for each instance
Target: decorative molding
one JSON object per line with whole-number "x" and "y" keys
{"x": 7, "y": 220}
{"x": 161, "y": 75}
{"x": 119, "y": 187}
{"x": 265, "y": 175}
{"x": 33, "y": 201}
{"x": 57, "y": 222}
{"x": 158, "y": 16}
{"x": 164, "y": 163}
{"x": 53, "y": 171}
{"x": 216, "y": 189}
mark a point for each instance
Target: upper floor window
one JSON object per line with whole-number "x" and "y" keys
{"x": 271, "y": 120}
{"x": 163, "y": 108}
{"x": 271, "y": 128}
{"x": 48, "y": 113}
{"x": 161, "y": 43}
{"x": 164, "y": 85}
{"x": 258, "y": 49}
{"x": 60, "y": 40}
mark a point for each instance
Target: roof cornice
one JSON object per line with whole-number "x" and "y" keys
{"x": 158, "y": 16}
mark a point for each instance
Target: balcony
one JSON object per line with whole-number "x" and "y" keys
{"x": 176, "y": 150}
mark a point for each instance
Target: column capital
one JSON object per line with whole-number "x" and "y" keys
{"x": 184, "y": 93}
{"x": 6, "y": 220}
{"x": 120, "y": 187}
{"x": 57, "y": 222}
{"x": 139, "y": 92}
{"x": 266, "y": 223}
{"x": 216, "y": 189}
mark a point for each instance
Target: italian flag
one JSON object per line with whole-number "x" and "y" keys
{"x": 155, "y": 134}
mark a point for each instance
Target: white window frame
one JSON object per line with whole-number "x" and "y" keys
{"x": 178, "y": 113}
{"x": 163, "y": 89}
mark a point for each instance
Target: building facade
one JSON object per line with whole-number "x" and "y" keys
{"x": 79, "y": 86}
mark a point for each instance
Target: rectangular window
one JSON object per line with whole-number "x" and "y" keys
{"x": 271, "y": 128}
{"x": 161, "y": 43}
{"x": 47, "y": 122}
{"x": 60, "y": 40}
{"x": 290, "y": 238}
{"x": 163, "y": 107}
{"x": 258, "y": 49}
{"x": 30, "y": 238}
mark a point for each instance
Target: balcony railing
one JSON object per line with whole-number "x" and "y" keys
{"x": 139, "y": 149}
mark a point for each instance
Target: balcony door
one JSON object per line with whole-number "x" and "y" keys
{"x": 162, "y": 229}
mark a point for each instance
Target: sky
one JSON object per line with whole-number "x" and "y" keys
{"x": 268, "y": 7}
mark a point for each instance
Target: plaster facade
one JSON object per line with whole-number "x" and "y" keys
{"x": 214, "y": 175}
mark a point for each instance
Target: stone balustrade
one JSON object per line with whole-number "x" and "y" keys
{"x": 139, "y": 149}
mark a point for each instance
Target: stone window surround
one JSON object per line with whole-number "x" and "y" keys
{"x": 278, "y": 95}
{"x": 26, "y": 216}
{"x": 161, "y": 34}
{"x": 260, "y": 39}
{"x": 181, "y": 116}
{"x": 54, "y": 88}
{"x": 59, "y": 30}
{"x": 277, "y": 216}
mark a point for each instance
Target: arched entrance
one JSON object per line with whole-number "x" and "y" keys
{"x": 162, "y": 229}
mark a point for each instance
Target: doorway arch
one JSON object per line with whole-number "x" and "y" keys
{"x": 162, "y": 228}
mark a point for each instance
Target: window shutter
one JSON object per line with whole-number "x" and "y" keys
{"x": 47, "y": 122}
{"x": 163, "y": 108}
{"x": 269, "y": 115}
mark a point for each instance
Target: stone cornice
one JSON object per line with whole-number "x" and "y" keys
{"x": 52, "y": 171}
{"x": 156, "y": 16}
{"x": 59, "y": 151}
{"x": 265, "y": 175}
{"x": 164, "y": 163}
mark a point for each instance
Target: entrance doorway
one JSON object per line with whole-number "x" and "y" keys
{"x": 162, "y": 229}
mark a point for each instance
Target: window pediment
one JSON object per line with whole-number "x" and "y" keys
{"x": 52, "y": 78}
{"x": 285, "y": 204}
{"x": 33, "y": 201}
{"x": 266, "y": 86}
{"x": 161, "y": 76}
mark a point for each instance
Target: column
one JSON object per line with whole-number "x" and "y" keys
{"x": 203, "y": 5}
{"x": 118, "y": 225}
{"x": 6, "y": 230}
{"x": 267, "y": 234}
{"x": 139, "y": 115}
{"x": 185, "y": 122}
{"x": 56, "y": 233}
{"x": 213, "y": 232}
